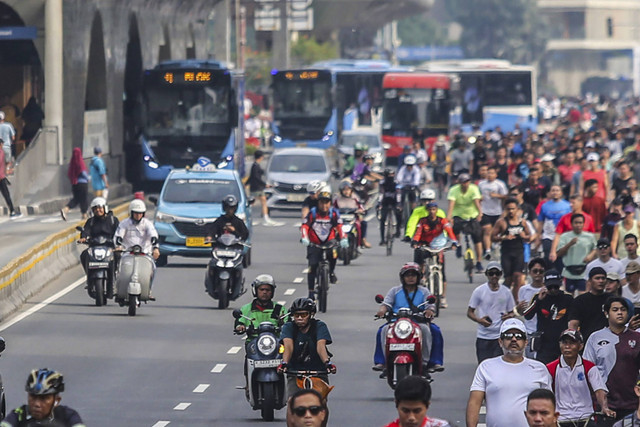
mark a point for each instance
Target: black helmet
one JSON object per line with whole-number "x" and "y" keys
{"x": 229, "y": 201}
{"x": 44, "y": 381}
{"x": 263, "y": 279}
{"x": 303, "y": 304}
{"x": 389, "y": 172}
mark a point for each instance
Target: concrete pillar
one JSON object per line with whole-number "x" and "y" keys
{"x": 281, "y": 57}
{"x": 222, "y": 31}
{"x": 53, "y": 75}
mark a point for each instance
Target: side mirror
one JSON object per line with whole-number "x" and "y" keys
{"x": 236, "y": 313}
{"x": 251, "y": 201}
{"x": 119, "y": 241}
{"x": 154, "y": 200}
{"x": 431, "y": 299}
{"x": 80, "y": 229}
{"x": 379, "y": 299}
{"x": 154, "y": 240}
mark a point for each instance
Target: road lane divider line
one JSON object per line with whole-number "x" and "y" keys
{"x": 289, "y": 291}
{"x": 201, "y": 388}
{"x": 297, "y": 224}
{"x": 305, "y": 271}
{"x": 298, "y": 280}
{"x": 181, "y": 406}
{"x": 42, "y": 304}
{"x": 161, "y": 424}
{"x": 219, "y": 368}
{"x": 369, "y": 217}
{"x": 282, "y": 302}
{"x": 234, "y": 350}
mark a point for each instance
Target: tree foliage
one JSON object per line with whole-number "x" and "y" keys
{"x": 420, "y": 30}
{"x": 257, "y": 70}
{"x": 507, "y": 29}
{"x": 307, "y": 50}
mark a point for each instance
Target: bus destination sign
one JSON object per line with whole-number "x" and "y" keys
{"x": 301, "y": 75}
{"x": 187, "y": 77}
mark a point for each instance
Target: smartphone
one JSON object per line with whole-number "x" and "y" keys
{"x": 488, "y": 319}
{"x": 636, "y": 310}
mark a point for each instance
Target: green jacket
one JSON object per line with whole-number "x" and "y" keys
{"x": 270, "y": 314}
{"x": 417, "y": 214}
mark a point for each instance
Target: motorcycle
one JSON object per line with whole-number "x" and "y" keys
{"x": 224, "y": 280}
{"x": 349, "y": 218}
{"x": 367, "y": 192}
{"x": 265, "y": 388}
{"x": 134, "y": 278}
{"x": 404, "y": 341}
{"x": 100, "y": 268}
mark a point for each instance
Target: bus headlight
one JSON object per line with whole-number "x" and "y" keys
{"x": 277, "y": 138}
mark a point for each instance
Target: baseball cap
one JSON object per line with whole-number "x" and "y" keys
{"x": 632, "y": 267}
{"x": 1, "y": 115}
{"x": 604, "y": 241}
{"x": 97, "y": 150}
{"x": 629, "y": 209}
{"x": 493, "y": 265}
{"x": 464, "y": 177}
{"x": 552, "y": 278}
{"x": 612, "y": 275}
{"x": 548, "y": 158}
{"x": 596, "y": 271}
{"x": 571, "y": 333}
{"x": 512, "y": 324}
{"x": 591, "y": 144}
{"x": 593, "y": 157}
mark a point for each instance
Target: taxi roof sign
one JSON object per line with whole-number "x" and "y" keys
{"x": 203, "y": 164}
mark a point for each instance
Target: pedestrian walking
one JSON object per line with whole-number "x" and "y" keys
{"x": 257, "y": 184}
{"x": 574, "y": 247}
{"x": 7, "y": 136}
{"x": 79, "y": 177}
{"x": 586, "y": 311}
{"x": 99, "y": 180}
{"x": 4, "y": 187}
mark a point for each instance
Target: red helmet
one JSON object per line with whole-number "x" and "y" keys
{"x": 410, "y": 266}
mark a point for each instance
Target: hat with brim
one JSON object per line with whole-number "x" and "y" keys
{"x": 571, "y": 333}
{"x": 509, "y": 324}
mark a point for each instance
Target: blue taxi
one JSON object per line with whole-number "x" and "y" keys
{"x": 190, "y": 199}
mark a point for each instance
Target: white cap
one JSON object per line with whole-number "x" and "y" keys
{"x": 591, "y": 144}
{"x": 548, "y": 157}
{"x": 593, "y": 157}
{"x": 1, "y": 115}
{"x": 512, "y": 324}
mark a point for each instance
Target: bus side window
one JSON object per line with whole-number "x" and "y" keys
{"x": 233, "y": 109}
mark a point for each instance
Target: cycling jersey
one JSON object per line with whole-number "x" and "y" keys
{"x": 63, "y": 416}
{"x": 417, "y": 214}
{"x": 321, "y": 228}
{"x": 427, "y": 231}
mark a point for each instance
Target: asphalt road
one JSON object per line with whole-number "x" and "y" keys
{"x": 177, "y": 362}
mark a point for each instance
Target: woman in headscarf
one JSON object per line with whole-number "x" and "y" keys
{"x": 79, "y": 177}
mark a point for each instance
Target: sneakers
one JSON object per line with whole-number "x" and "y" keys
{"x": 458, "y": 252}
{"x": 487, "y": 254}
{"x": 382, "y": 243}
{"x": 63, "y": 215}
{"x": 378, "y": 367}
{"x": 435, "y": 368}
{"x": 479, "y": 267}
{"x": 443, "y": 303}
{"x": 332, "y": 278}
{"x": 15, "y": 215}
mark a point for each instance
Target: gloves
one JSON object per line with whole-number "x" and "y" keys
{"x": 344, "y": 243}
{"x": 406, "y": 239}
{"x": 331, "y": 368}
{"x": 455, "y": 244}
{"x": 414, "y": 243}
{"x": 305, "y": 241}
{"x": 282, "y": 368}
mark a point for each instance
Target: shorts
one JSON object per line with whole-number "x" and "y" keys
{"x": 471, "y": 228}
{"x": 257, "y": 194}
{"x": 512, "y": 262}
{"x": 314, "y": 255}
{"x": 572, "y": 285}
{"x": 489, "y": 220}
{"x": 7, "y": 153}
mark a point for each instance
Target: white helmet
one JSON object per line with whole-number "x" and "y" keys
{"x": 314, "y": 186}
{"x": 410, "y": 160}
{"x": 428, "y": 194}
{"x": 99, "y": 201}
{"x": 137, "y": 205}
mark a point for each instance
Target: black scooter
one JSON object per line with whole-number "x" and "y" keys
{"x": 224, "y": 280}
{"x": 100, "y": 268}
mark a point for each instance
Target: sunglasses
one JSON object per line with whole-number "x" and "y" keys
{"x": 516, "y": 335}
{"x": 537, "y": 270}
{"x": 302, "y": 315}
{"x": 602, "y": 246}
{"x": 300, "y": 411}
{"x": 494, "y": 273}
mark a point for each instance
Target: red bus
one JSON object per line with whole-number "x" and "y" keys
{"x": 416, "y": 107}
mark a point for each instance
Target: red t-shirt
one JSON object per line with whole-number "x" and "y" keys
{"x": 597, "y": 208}
{"x": 599, "y": 176}
{"x": 567, "y": 172}
{"x": 564, "y": 224}
{"x": 428, "y": 422}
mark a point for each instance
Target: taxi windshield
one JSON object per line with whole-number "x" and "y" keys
{"x": 199, "y": 190}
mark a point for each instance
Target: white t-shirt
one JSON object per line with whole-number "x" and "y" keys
{"x": 627, "y": 260}
{"x": 491, "y": 205}
{"x": 506, "y": 387}
{"x": 526, "y": 293}
{"x": 611, "y": 266}
{"x": 628, "y": 294}
{"x": 490, "y": 303}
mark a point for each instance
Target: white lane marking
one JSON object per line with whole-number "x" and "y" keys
{"x": 483, "y": 410}
{"x": 289, "y": 291}
{"x": 25, "y": 219}
{"x": 369, "y": 217}
{"x": 298, "y": 280}
{"x": 161, "y": 424}
{"x": 48, "y": 220}
{"x": 219, "y": 368}
{"x": 282, "y": 302}
{"x": 181, "y": 406}
{"x": 306, "y": 270}
{"x": 201, "y": 388}
{"x": 234, "y": 350}
{"x": 297, "y": 224}
{"x": 43, "y": 304}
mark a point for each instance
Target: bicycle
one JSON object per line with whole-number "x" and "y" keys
{"x": 434, "y": 272}
{"x": 389, "y": 229}
{"x": 322, "y": 275}
{"x": 311, "y": 380}
{"x": 469, "y": 254}
{"x": 406, "y": 203}
{"x": 595, "y": 419}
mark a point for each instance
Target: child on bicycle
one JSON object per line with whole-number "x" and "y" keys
{"x": 428, "y": 229}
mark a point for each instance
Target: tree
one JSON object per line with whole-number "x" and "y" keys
{"x": 507, "y": 29}
{"x": 306, "y": 50}
{"x": 420, "y": 30}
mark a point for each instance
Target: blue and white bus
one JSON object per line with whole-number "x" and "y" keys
{"x": 492, "y": 92}
{"x": 189, "y": 109}
{"x": 311, "y": 106}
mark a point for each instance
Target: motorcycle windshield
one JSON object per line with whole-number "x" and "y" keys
{"x": 228, "y": 239}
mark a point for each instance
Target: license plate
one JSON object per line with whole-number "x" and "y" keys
{"x": 197, "y": 242}
{"x": 402, "y": 347}
{"x": 273, "y": 363}
{"x": 98, "y": 264}
{"x": 228, "y": 254}
{"x": 296, "y": 197}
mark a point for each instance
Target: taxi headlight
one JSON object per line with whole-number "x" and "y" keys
{"x": 267, "y": 345}
{"x": 402, "y": 329}
{"x": 162, "y": 217}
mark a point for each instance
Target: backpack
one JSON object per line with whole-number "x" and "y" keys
{"x": 333, "y": 214}
{"x": 588, "y": 365}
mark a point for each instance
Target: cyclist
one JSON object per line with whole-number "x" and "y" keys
{"x": 347, "y": 200}
{"x": 430, "y": 228}
{"x": 305, "y": 342}
{"x": 311, "y": 201}
{"x": 426, "y": 196}
{"x": 262, "y": 308}
{"x": 409, "y": 294}
{"x": 389, "y": 199}
{"x": 229, "y": 222}
{"x": 43, "y": 403}
{"x": 408, "y": 180}
{"x": 464, "y": 208}
{"x": 322, "y": 225}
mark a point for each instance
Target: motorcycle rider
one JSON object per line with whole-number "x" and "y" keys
{"x": 43, "y": 403}
{"x": 347, "y": 200}
{"x": 363, "y": 170}
{"x": 408, "y": 180}
{"x": 426, "y": 196}
{"x": 229, "y": 222}
{"x": 430, "y": 228}
{"x": 359, "y": 150}
{"x": 322, "y": 225}
{"x": 411, "y": 295}
{"x": 389, "y": 200}
{"x": 311, "y": 201}
{"x": 262, "y": 308}
{"x": 102, "y": 223}
{"x": 305, "y": 342}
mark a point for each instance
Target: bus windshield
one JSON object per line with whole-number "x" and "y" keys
{"x": 302, "y": 98}
{"x": 407, "y": 109}
{"x": 187, "y": 111}
{"x": 351, "y": 140}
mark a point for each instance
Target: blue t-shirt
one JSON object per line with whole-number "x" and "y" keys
{"x": 97, "y": 169}
{"x": 397, "y": 298}
{"x": 550, "y": 214}
{"x": 305, "y": 355}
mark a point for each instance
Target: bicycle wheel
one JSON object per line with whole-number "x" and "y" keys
{"x": 323, "y": 286}
{"x": 389, "y": 234}
{"x": 435, "y": 282}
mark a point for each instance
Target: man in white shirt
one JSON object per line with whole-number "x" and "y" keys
{"x": 631, "y": 246}
{"x": 527, "y": 292}
{"x": 604, "y": 260}
{"x": 504, "y": 382}
{"x": 631, "y": 290}
{"x": 493, "y": 193}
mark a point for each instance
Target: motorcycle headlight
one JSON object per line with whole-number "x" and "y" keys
{"x": 402, "y": 329}
{"x": 99, "y": 254}
{"x": 162, "y": 217}
{"x": 346, "y": 228}
{"x": 229, "y": 264}
{"x": 377, "y": 157}
{"x": 267, "y": 345}
{"x": 220, "y": 263}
